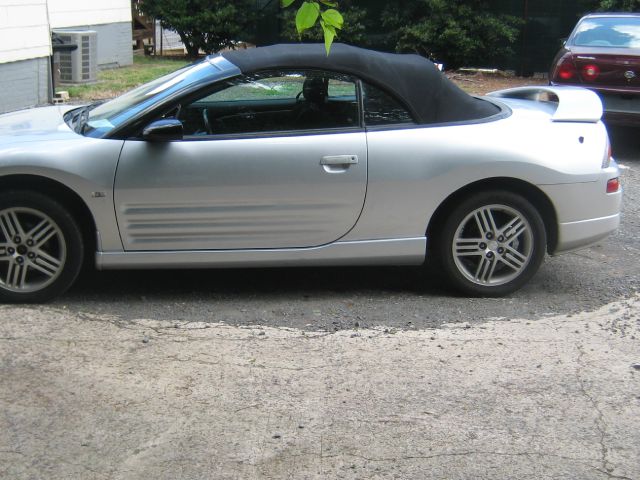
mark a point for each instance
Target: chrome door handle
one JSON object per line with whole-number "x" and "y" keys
{"x": 338, "y": 160}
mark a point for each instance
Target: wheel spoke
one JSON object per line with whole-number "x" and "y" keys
{"x": 511, "y": 262}
{"x": 488, "y": 213}
{"x": 514, "y": 259}
{"x": 485, "y": 269}
{"x": 42, "y": 270}
{"x": 42, "y": 232}
{"x": 16, "y": 275}
{"x": 23, "y": 275}
{"x": 10, "y": 225}
{"x": 516, "y": 254}
{"x": 508, "y": 225}
{"x": 514, "y": 228}
{"x": 468, "y": 247}
{"x": 3, "y": 251}
{"x": 481, "y": 221}
{"x": 46, "y": 264}
{"x": 508, "y": 262}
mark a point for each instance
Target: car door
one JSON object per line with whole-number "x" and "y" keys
{"x": 260, "y": 166}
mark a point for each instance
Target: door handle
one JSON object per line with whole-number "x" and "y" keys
{"x": 339, "y": 160}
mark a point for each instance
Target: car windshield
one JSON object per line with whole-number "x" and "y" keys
{"x": 101, "y": 119}
{"x": 618, "y": 32}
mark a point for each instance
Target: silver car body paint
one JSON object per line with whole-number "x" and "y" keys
{"x": 402, "y": 251}
{"x": 421, "y": 167}
{"x": 271, "y": 201}
{"x": 241, "y": 193}
{"x": 38, "y": 142}
{"x": 574, "y": 105}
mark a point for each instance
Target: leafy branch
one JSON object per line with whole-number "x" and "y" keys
{"x": 322, "y": 12}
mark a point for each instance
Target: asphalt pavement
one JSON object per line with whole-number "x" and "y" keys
{"x": 86, "y": 396}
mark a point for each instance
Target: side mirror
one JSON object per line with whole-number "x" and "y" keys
{"x": 163, "y": 130}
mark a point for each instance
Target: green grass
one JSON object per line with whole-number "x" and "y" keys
{"x": 286, "y": 87}
{"x": 116, "y": 81}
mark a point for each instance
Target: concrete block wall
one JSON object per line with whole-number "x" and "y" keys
{"x": 115, "y": 49}
{"x": 24, "y": 83}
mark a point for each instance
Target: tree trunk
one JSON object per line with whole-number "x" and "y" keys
{"x": 192, "y": 50}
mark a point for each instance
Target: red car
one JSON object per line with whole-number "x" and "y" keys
{"x": 603, "y": 54}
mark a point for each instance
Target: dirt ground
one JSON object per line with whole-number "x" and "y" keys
{"x": 481, "y": 84}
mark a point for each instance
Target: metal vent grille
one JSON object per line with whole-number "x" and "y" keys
{"x": 80, "y": 65}
{"x": 65, "y": 62}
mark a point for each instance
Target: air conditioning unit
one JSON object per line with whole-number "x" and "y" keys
{"x": 81, "y": 64}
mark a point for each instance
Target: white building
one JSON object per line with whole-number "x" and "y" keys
{"x": 25, "y": 42}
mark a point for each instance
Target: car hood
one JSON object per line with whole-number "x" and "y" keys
{"x": 35, "y": 125}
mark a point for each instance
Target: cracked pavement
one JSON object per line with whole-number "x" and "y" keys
{"x": 90, "y": 396}
{"x": 332, "y": 373}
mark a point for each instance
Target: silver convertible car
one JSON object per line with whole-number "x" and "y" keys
{"x": 284, "y": 156}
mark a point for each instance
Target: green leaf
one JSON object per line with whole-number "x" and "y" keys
{"x": 307, "y": 16}
{"x": 328, "y": 3}
{"x": 333, "y": 17}
{"x": 329, "y": 35}
{"x": 286, "y": 3}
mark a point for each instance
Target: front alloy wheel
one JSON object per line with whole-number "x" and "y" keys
{"x": 492, "y": 243}
{"x": 40, "y": 247}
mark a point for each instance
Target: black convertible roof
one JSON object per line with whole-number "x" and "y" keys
{"x": 416, "y": 81}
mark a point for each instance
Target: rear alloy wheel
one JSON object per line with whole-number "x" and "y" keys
{"x": 41, "y": 248}
{"x": 492, "y": 244}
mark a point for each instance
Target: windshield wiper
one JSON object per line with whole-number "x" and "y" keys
{"x": 81, "y": 120}
{"x": 81, "y": 117}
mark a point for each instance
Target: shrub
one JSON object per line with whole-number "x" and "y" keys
{"x": 455, "y": 32}
{"x": 207, "y": 25}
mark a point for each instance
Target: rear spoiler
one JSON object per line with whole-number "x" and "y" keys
{"x": 574, "y": 104}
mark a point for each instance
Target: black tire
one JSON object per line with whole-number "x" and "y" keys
{"x": 491, "y": 259}
{"x": 38, "y": 267}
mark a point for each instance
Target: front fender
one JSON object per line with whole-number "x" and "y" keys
{"x": 85, "y": 166}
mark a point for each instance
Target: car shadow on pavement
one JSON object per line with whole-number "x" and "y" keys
{"x": 112, "y": 286}
{"x": 625, "y": 142}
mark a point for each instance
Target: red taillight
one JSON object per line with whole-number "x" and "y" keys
{"x": 590, "y": 72}
{"x": 613, "y": 185}
{"x": 565, "y": 70}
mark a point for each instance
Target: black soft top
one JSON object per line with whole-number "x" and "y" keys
{"x": 431, "y": 97}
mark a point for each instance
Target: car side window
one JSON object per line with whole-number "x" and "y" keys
{"x": 274, "y": 102}
{"x": 380, "y": 108}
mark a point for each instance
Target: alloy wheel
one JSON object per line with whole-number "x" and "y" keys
{"x": 493, "y": 245}
{"x": 33, "y": 250}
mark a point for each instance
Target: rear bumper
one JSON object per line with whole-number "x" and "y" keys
{"x": 585, "y": 213}
{"x": 575, "y": 235}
